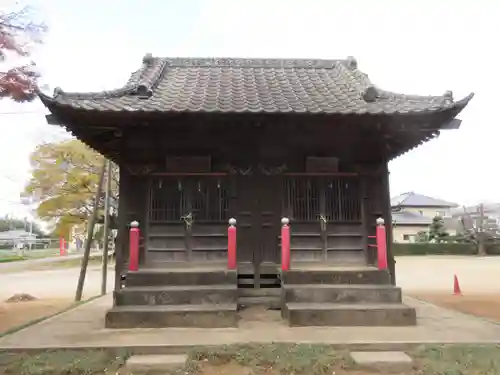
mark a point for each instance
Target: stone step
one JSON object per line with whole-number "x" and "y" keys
{"x": 155, "y": 364}
{"x": 344, "y": 275}
{"x": 383, "y": 362}
{"x": 201, "y": 316}
{"x": 303, "y": 314}
{"x": 176, "y": 295}
{"x": 181, "y": 276}
{"x": 271, "y": 302}
{"x": 339, "y": 293}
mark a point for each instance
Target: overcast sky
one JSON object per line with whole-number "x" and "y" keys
{"x": 415, "y": 47}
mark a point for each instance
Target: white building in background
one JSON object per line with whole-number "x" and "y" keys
{"x": 17, "y": 237}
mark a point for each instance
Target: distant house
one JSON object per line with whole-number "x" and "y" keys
{"x": 413, "y": 213}
{"x": 14, "y": 237}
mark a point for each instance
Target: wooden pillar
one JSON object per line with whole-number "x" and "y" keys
{"x": 122, "y": 235}
{"x": 386, "y": 214}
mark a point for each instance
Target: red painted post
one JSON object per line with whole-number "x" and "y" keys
{"x": 62, "y": 246}
{"x": 285, "y": 244}
{"x": 133, "y": 264}
{"x": 381, "y": 245}
{"x": 231, "y": 244}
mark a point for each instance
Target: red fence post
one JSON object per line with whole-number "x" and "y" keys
{"x": 381, "y": 245}
{"x": 231, "y": 244}
{"x": 133, "y": 264}
{"x": 285, "y": 244}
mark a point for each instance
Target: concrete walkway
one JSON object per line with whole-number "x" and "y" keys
{"x": 54, "y": 283}
{"x": 83, "y": 327}
{"x": 31, "y": 262}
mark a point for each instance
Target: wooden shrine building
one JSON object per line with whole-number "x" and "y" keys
{"x": 200, "y": 141}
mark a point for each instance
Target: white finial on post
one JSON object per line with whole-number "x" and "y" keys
{"x": 134, "y": 224}
{"x": 285, "y": 221}
{"x": 232, "y": 222}
{"x": 380, "y": 221}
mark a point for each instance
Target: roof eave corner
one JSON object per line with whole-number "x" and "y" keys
{"x": 459, "y": 105}
{"x": 47, "y": 100}
{"x": 463, "y": 102}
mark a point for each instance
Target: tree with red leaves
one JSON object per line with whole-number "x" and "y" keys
{"x": 18, "y": 32}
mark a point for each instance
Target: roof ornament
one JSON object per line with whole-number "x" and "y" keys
{"x": 58, "y": 91}
{"x": 448, "y": 97}
{"x": 352, "y": 63}
{"x": 148, "y": 58}
{"x": 143, "y": 92}
{"x": 371, "y": 94}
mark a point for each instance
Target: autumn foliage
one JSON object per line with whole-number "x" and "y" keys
{"x": 18, "y": 33}
{"x": 64, "y": 182}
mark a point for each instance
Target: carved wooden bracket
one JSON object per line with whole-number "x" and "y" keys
{"x": 271, "y": 171}
{"x": 143, "y": 169}
{"x": 265, "y": 170}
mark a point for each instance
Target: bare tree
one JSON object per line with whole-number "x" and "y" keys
{"x": 479, "y": 228}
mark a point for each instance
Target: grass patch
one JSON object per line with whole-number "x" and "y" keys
{"x": 62, "y": 362}
{"x": 457, "y": 359}
{"x": 11, "y": 258}
{"x": 271, "y": 359}
{"x": 307, "y": 359}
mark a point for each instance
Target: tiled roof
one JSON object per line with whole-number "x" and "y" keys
{"x": 253, "y": 85}
{"x": 412, "y": 199}
{"x": 410, "y": 218}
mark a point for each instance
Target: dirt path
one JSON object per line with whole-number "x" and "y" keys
{"x": 14, "y": 314}
{"x": 483, "y": 305}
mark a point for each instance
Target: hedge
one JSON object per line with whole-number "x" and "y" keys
{"x": 399, "y": 249}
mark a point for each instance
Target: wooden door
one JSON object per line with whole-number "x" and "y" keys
{"x": 268, "y": 207}
{"x": 246, "y": 218}
{"x": 258, "y": 216}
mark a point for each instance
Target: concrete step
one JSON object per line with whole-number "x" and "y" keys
{"x": 176, "y": 295}
{"x": 338, "y": 293}
{"x": 181, "y": 276}
{"x": 341, "y": 275}
{"x": 259, "y": 292}
{"x": 155, "y": 364}
{"x": 201, "y": 316}
{"x": 271, "y": 302}
{"x": 303, "y": 314}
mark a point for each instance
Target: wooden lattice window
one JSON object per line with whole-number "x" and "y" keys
{"x": 336, "y": 198}
{"x": 205, "y": 198}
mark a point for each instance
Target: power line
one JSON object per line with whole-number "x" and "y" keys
{"x": 21, "y": 113}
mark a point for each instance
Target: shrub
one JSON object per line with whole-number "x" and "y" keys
{"x": 399, "y": 249}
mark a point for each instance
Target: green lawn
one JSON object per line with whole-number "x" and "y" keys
{"x": 270, "y": 359}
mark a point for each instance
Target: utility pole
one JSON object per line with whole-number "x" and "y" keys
{"x": 106, "y": 230}
{"x": 31, "y": 234}
{"x": 481, "y": 234}
{"x": 90, "y": 235}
